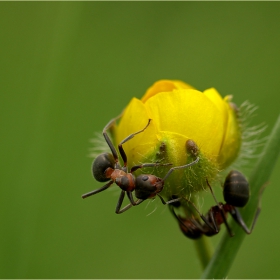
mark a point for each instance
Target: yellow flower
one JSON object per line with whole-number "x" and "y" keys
{"x": 185, "y": 123}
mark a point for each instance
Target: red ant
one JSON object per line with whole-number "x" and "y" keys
{"x": 236, "y": 193}
{"x": 106, "y": 167}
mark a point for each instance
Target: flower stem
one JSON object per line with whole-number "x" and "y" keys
{"x": 205, "y": 250}
{"x": 227, "y": 249}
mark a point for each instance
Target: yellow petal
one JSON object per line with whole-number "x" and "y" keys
{"x": 164, "y": 86}
{"x": 189, "y": 113}
{"x": 180, "y": 113}
{"x": 232, "y": 140}
{"x": 220, "y": 103}
{"x": 135, "y": 118}
{"x": 222, "y": 107}
{"x": 175, "y": 145}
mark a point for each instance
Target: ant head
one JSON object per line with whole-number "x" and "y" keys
{"x": 100, "y": 164}
{"x": 236, "y": 189}
{"x": 147, "y": 186}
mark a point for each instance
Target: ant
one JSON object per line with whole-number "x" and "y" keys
{"x": 106, "y": 167}
{"x": 236, "y": 193}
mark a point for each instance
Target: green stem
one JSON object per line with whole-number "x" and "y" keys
{"x": 203, "y": 245}
{"x": 227, "y": 249}
{"x": 205, "y": 250}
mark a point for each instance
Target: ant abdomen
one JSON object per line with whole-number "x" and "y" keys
{"x": 100, "y": 164}
{"x": 236, "y": 189}
{"x": 190, "y": 229}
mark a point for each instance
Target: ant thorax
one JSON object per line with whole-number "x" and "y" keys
{"x": 126, "y": 181}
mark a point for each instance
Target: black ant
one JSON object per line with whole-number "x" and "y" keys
{"x": 236, "y": 193}
{"x": 106, "y": 167}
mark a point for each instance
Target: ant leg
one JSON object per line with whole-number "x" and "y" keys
{"x": 179, "y": 167}
{"x": 178, "y": 218}
{"x": 162, "y": 200}
{"x": 109, "y": 142}
{"x": 134, "y": 168}
{"x": 130, "y": 197}
{"x": 200, "y": 214}
{"x": 169, "y": 201}
{"x": 137, "y": 202}
{"x": 221, "y": 211}
{"x": 212, "y": 219}
{"x": 212, "y": 192}
{"x": 259, "y": 207}
{"x": 198, "y": 225}
{"x": 238, "y": 218}
{"x": 215, "y": 228}
{"x": 226, "y": 223}
{"x": 120, "y": 201}
{"x": 98, "y": 190}
{"x": 122, "y": 152}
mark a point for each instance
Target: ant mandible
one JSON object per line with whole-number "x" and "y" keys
{"x": 236, "y": 193}
{"x": 106, "y": 167}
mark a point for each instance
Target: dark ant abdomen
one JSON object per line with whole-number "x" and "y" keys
{"x": 236, "y": 189}
{"x": 100, "y": 164}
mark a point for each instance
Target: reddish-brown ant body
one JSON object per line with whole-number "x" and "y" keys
{"x": 236, "y": 193}
{"x": 106, "y": 167}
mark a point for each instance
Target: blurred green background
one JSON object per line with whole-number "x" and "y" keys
{"x": 66, "y": 69}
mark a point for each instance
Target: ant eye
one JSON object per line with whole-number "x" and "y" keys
{"x": 100, "y": 164}
{"x": 144, "y": 178}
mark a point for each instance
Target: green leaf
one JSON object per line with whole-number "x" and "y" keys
{"x": 227, "y": 249}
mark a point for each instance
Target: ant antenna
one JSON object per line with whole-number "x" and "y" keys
{"x": 179, "y": 167}
{"x": 123, "y": 155}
